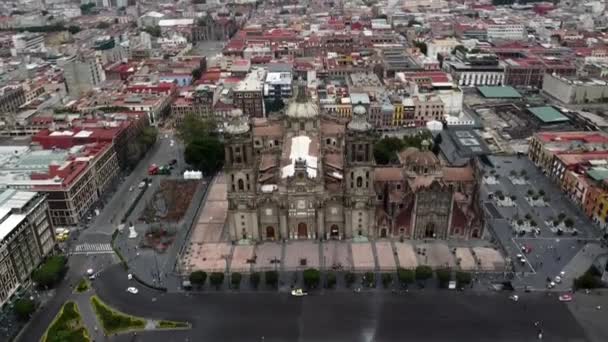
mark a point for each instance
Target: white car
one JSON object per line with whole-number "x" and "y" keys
{"x": 129, "y": 276}
{"x": 298, "y": 293}
{"x": 565, "y": 298}
{"x": 90, "y": 272}
{"x": 551, "y": 285}
{"x": 514, "y": 298}
{"x": 557, "y": 279}
{"x": 132, "y": 290}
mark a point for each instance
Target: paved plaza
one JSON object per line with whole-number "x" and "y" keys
{"x": 436, "y": 255}
{"x": 337, "y": 255}
{"x": 241, "y": 256}
{"x": 212, "y": 218}
{"x": 386, "y": 255}
{"x": 268, "y": 256}
{"x": 363, "y": 256}
{"x": 211, "y": 257}
{"x": 465, "y": 259}
{"x": 300, "y": 255}
{"x": 406, "y": 255}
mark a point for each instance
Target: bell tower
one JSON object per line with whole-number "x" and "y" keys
{"x": 360, "y": 209}
{"x": 240, "y": 178}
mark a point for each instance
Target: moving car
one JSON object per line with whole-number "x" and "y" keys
{"x": 551, "y": 285}
{"x": 298, "y": 293}
{"x": 514, "y": 298}
{"x": 558, "y": 279}
{"x": 129, "y": 276}
{"x": 132, "y": 290}
{"x": 566, "y": 297}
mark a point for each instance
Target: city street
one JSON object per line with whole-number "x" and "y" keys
{"x": 428, "y": 315}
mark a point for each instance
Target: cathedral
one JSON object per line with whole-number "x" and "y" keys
{"x": 305, "y": 176}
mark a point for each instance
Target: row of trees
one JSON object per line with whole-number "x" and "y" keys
{"x": 312, "y": 278}
{"x": 386, "y": 149}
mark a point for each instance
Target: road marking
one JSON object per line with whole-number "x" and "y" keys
{"x": 93, "y": 248}
{"x": 524, "y": 255}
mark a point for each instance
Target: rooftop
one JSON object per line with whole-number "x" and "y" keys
{"x": 499, "y": 92}
{"x": 548, "y": 114}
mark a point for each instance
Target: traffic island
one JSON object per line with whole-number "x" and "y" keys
{"x": 115, "y": 322}
{"x": 83, "y": 286}
{"x": 67, "y": 326}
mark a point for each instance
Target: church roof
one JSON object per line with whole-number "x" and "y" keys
{"x": 388, "y": 174}
{"x": 417, "y": 157}
{"x": 334, "y": 160}
{"x": 332, "y": 128}
{"x": 268, "y": 130}
{"x": 300, "y": 148}
{"x": 302, "y": 106}
{"x": 458, "y": 174}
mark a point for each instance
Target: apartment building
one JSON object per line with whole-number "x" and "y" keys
{"x": 81, "y": 73}
{"x": 26, "y": 237}
{"x": 249, "y": 94}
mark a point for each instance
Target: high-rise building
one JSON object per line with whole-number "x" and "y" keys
{"x": 81, "y": 73}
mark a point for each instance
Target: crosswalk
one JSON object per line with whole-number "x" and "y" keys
{"x": 93, "y": 248}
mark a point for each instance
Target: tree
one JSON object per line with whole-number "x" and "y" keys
{"x": 216, "y": 279}
{"x": 541, "y": 192}
{"x": 561, "y": 216}
{"x": 50, "y": 272}
{"x": 528, "y": 216}
{"x": 196, "y": 74}
{"x": 154, "y": 31}
{"x": 311, "y": 278}
{"x": 422, "y": 46}
{"x": 569, "y": 223}
{"x": 405, "y": 276}
{"x": 330, "y": 280}
{"x": 206, "y": 154}
{"x": 370, "y": 279}
{"x": 423, "y": 272}
{"x": 87, "y": 8}
{"x": 444, "y": 276}
{"x": 463, "y": 278}
{"x": 235, "y": 280}
{"x": 198, "y": 278}
{"x": 276, "y": 105}
{"x": 387, "y": 278}
{"x": 73, "y": 29}
{"x": 254, "y": 279}
{"x": 147, "y": 137}
{"x": 349, "y": 278}
{"x": 386, "y": 149}
{"x": 271, "y": 278}
{"x": 513, "y": 173}
{"x": 24, "y": 308}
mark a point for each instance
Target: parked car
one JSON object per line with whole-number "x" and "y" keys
{"x": 298, "y": 293}
{"x": 132, "y": 290}
{"x": 566, "y": 297}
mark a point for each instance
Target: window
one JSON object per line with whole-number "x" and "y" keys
{"x": 241, "y": 185}
{"x": 359, "y": 182}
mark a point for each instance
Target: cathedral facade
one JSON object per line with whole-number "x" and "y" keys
{"x": 307, "y": 177}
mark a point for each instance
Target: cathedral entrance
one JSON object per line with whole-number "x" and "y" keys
{"x": 302, "y": 230}
{"x": 270, "y": 233}
{"x": 475, "y": 234}
{"x": 334, "y": 232}
{"x": 383, "y": 233}
{"x": 429, "y": 231}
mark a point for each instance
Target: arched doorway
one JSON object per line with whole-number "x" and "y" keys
{"x": 383, "y": 232}
{"x": 334, "y": 231}
{"x": 429, "y": 231}
{"x": 302, "y": 230}
{"x": 475, "y": 234}
{"x": 270, "y": 233}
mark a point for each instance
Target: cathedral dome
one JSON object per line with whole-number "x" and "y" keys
{"x": 359, "y": 120}
{"x": 237, "y": 123}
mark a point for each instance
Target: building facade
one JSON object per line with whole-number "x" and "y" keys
{"x": 309, "y": 177}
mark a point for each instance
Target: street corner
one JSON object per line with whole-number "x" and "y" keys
{"x": 465, "y": 259}
{"x": 406, "y": 254}
{"x": 209, "y": 257}
{"x": 488, "y": 259}
{"x": 435, "y": 255}
{"x": 385, "y": 256}
{"x": 242, "y": 256}
{"x": 301, "y": 254}
{"x": 268, "y": 256}
{"x": 336, "y": 255}
{"x": 363, "y": 256}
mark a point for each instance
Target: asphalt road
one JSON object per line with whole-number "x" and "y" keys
{"x": 428, "y": 315}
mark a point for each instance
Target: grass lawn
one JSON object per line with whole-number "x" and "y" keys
{"x": 171, "y": 325}
{"x": 113, "y": 321}
{"x": 83, "y": 286}
{"x": 67, "y": 326}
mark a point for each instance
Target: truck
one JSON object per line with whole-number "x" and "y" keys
{"x": 153, "y": 169}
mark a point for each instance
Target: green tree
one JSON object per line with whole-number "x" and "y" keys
{"x": 349, "y": 278}
{"x": 311, "y": 277}
{"x": 254, "y": 279}
{"x": 463, "y": 278}
{"x": 370, "y": 279}
{"x": 154, "y": 31}
{"x": 148, "y": 137}
{"x": 274, "y": 105}
{"x": 422, "y": 46}
{"x": 198, "y": 278}
{"x": 193, "y": 127}
{"x": 331, "y": 280}
{"x": 87, "y": 8}
{"x": 561, "y": 216}
{"x": 386, "y": 149}
{"x": 24, "y": 308}
{"x": 271, "y": 278}
{"x": 216, "y": 279}
{"x": 387, "y": 278}
{"x": 235, "y": 280}
{"x": 444, "y": 276}
{"x": 423, "y": 272}
{"x": 206, "y": 154}
{"x": 50, "y": 272}
{"x": 73, "y": 29}
{"x": 405, "y": 276}
{"x": 569, "y": 222}
{"x": 196, "y": 74}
